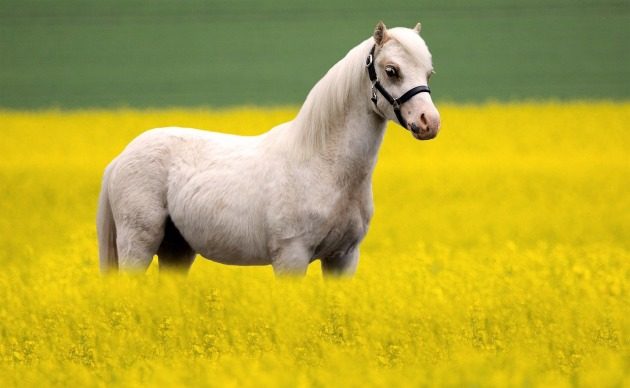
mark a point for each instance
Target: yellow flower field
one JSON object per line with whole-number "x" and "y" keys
{"x": 498, "y": 256}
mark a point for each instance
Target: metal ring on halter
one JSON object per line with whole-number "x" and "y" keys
{"x": 374, "y": 98}
{"x": 369, "y": 60}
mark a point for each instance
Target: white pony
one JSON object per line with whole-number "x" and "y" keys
{"x": 300, "y": 192}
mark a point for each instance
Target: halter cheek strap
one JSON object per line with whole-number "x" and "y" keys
{"x": 395, "y": 102}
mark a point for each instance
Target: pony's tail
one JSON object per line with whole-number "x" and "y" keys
{"x": 106, "y": 229}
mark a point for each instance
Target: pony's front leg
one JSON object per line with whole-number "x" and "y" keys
{"x": 341, "y": 264}
{"x": 291, "y": 259}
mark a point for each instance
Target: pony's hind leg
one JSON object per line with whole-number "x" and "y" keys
{"x": 136, "y": 248}
{"x": 139, "y": 233}
{"x": 137, "y": 192}
{"x": 174, "y": 252}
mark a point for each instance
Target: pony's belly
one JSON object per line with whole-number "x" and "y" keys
{"x": 230, "y": 256}
{"x": 227, "y": 243}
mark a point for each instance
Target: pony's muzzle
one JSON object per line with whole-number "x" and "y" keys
{"x": 426, "y": 127}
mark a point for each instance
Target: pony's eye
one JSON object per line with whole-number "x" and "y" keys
{"x": 391, "y": 71}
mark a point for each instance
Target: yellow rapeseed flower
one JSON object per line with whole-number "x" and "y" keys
{"x": 498, "y": 256}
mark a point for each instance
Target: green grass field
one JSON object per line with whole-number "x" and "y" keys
{"x": 133, "y": 53}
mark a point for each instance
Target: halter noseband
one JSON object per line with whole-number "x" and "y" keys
{"x": 395, "y": 102}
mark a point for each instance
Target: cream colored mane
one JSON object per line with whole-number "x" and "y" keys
{"x": 329, "y": 98}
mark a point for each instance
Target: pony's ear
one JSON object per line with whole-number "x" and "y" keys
{"x": 380, "y": 34}
{"x": 417, "y": 28}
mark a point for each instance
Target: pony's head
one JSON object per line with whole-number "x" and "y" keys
{"x": 402, "y": 66}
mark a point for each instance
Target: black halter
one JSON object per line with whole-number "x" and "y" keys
{"x": 396, "y": 102}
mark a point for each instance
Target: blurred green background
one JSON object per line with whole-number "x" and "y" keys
{"x": 69, "y": 53}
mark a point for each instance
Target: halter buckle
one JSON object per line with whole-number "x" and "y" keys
{"x": 374, "y": 98}
{"x": 369, "y": 60}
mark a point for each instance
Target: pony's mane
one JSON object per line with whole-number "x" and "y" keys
{"x": 328, "y": 100}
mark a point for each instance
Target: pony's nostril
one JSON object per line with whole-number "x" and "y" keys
{"x": 424, "y": 124}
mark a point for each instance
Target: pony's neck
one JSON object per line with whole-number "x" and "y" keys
{"x": 336, "y": 122}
